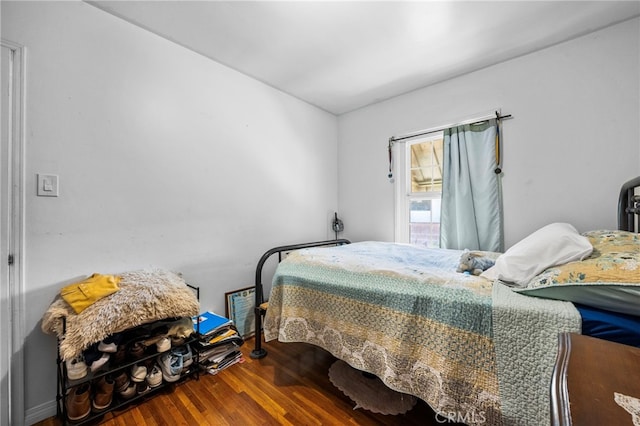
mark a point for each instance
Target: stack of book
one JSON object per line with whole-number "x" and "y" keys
{"x": 218, "y": 342}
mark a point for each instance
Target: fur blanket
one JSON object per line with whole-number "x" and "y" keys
{"x": 144, "y": 296}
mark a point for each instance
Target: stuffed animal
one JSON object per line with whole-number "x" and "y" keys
{"x": 472, "y": 262}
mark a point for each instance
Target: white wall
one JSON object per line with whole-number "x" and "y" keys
{"x": 165, "y": 158}
{"x": 574, "y": 138}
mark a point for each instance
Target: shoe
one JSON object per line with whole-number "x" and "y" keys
{"x": 136, "y": 351}
{"x": 100, "y": 362}
{"x": 177, "y": 341}
{"x": 136, "y": 334}
{"x": 128, "y": 392}
{"x": 187, "y": 359}
{"x": 91, "y": 354}
{"x": 102, "y": 393}
{"x": 154, "y": 376}
{"x": 183, "y": 327}
{"x": 152, "y": 340}
{"x": 171, "y": 366}
{"x": 107, "y": 347}
{"x": 138, "y": 373}
{"x": 160, "y": 327}
{"x": 78, "y": 403}
{"x": 142, "y": 388}
{"x": 184, "y": 351}
{"x": 149, "y": 363}
{"x": 163, "y": 345}
{"x": 120, "y": 355}
{"x": 121, "y": 381}
{"x": 76, "y": 368}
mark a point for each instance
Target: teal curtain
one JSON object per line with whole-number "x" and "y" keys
{"x": 471, "y": 194}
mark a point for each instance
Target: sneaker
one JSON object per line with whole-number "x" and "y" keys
{"x": 100, "y": 362}
{"x": 76, "y": 368}
{"x": 138, "y": 373}
{"x": 102, "y": 393}
{"x": 128, "y": 392}
{"x": 91, "y": 354}
{"x": 107, "y": 347}
{"x": 184, "y": 352}
{"x": 183, "y": 327}
{"x": 78, "y": 403}
{"x": 171, "y": 366}
{"x": 142, "y": 388}
{"x": 152, "y": 340}
{"x": 154, "y": 377}
{"x": 163, "y": 345}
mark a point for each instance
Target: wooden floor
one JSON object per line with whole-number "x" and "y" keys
{"x": 290, "y": 386}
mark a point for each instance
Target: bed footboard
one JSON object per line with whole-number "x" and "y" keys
{"x": 259, "y": 351}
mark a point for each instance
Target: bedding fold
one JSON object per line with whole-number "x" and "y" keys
{"x": 525, "y": 331}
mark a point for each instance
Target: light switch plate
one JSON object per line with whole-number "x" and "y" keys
{"x": 47, "y": 185}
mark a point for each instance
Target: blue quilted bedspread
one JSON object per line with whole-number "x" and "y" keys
{"x": 404, "y": 314}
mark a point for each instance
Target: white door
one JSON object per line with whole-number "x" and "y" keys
{"x": 5, "y": 305}
{"x": 11, "y": 366}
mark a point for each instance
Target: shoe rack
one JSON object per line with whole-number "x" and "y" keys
{"x": 85, "y": 385}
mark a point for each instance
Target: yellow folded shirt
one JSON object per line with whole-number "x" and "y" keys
{"x": 83, "y": 294}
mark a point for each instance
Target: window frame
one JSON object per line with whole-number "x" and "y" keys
{"x": 402, "y": 187}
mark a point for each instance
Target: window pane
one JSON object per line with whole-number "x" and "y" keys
{"x": 424, "y": 222}
{"x": 426, "y": 166}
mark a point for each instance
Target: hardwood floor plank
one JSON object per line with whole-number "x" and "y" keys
{"x": 264, "y": 402}
{"x": 250, "y": 411}
{"x": 290, "y": 386}
{"x": 191, "y": 415}
{"x": 135, "y": 417}
{"x": 256, "y": 386}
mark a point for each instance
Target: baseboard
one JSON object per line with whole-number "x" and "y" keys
{"x": 40, "y": 412}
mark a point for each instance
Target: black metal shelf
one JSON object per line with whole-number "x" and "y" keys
{"x": 64, "y": 383}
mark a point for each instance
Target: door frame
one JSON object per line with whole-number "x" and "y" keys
{"x": 12, "y": 350}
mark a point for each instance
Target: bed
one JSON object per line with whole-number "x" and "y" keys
{"x": 476, "y": 349}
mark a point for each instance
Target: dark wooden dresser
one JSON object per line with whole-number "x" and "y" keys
{"x": 587, "y": 374}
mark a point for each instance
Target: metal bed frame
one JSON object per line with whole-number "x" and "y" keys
{"x": 260, "y": 308}
{"x": 629, "y": 206}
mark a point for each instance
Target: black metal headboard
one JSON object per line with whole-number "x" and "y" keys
{"x": 629, "y": 206}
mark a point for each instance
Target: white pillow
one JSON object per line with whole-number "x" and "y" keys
{"x": 552, "y": 245}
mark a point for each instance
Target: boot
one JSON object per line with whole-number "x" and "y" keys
{"x": 78, "y": 403}
{"x": 102, "y": 393}
{"x": 121, "y": 381}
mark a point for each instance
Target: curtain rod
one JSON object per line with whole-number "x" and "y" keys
{"x": 441, "y": 128}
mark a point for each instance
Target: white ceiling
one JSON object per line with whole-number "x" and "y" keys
{"x": 343, "y": 55}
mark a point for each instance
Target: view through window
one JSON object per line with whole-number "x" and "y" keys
{"x": 425, "y": 190}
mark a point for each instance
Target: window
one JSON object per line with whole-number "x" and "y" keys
{"x": 419, "y": 190}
